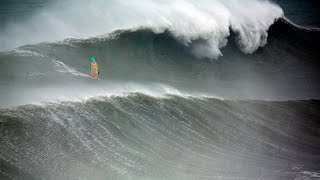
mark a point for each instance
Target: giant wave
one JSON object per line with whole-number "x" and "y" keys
{"x": 185, "y": 19}
{"x": 206, "y": 90}
{"x": 144, "y": 61}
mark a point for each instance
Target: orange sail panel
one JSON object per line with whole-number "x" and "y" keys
{"x": 94, "y": 69}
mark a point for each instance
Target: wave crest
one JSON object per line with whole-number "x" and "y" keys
{"x": 188, "y": 21}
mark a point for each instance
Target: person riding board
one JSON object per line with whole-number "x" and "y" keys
{"x": 94, "y": 69}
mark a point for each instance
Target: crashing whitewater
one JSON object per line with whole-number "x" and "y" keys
{"x": 188, "y": 21}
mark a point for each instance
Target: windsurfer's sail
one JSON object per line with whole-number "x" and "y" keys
{"x": 94, "y": 69}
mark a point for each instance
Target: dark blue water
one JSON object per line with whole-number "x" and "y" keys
{"x": 302, "y": 12}
{"x": 17, "y": 11}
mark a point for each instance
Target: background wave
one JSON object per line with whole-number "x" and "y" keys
{"x": 186, "y": 20}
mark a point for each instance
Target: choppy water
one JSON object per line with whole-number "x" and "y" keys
{"x": 206, "y": 90}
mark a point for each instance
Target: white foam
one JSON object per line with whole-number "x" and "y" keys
{"x": 187, "y": 20}
{"x": 83, "y": 92}
{"x": 59, "y": 65}
{"x": 308, "y": 175}
{"x": 302, "y": 27}
{"x": 63, "y": 68}
{"x": 21, "y": 52}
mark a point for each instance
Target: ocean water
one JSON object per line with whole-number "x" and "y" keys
{"x": 187, "y": 89}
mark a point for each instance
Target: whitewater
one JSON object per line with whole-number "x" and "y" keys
{"x": 186, "y": 20}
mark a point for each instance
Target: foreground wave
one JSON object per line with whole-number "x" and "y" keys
{"x": 143, "y": 137}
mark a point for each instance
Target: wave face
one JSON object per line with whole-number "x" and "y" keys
{"x": 142, "y": 137}
{"x": 157, "y": 64}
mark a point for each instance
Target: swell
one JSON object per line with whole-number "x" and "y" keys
{"x": 140, "y": 136}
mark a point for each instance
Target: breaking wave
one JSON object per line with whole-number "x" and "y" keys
{"x": 188, "y": 21}
{"x": 284, "y": 69}
{"x": 205, "y": 90}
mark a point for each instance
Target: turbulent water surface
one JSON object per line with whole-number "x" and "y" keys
{"x": 187, "y": 89}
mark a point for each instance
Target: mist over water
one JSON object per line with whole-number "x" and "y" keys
{"x": 211, "y": 89}
{"x": 186, "y": 20}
